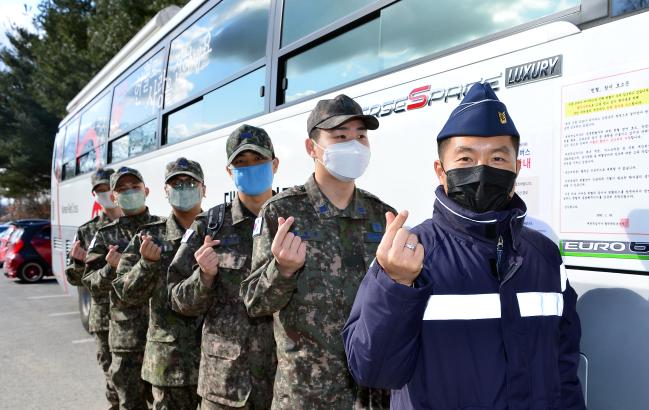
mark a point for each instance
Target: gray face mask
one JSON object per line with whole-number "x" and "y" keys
{"x": 184, "y": 199}
{"x": 131, "y": 200}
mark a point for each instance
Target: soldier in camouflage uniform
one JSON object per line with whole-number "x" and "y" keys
{"x": 312, "y": 246}
{"x": 128, "y": 323}
{"x": 238, "y": 352}
{"x": 172, "y": 352}
{"x": 98, "y": 318}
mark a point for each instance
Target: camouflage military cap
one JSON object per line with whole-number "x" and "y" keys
{"x": 249, "y": 138}
{"x": 184, "y": 166}
{"x": 123, "y": 171}
{"x": 329, "y": 114}
{"x": 101, "y": 176}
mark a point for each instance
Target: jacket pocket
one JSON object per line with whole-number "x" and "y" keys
{"x": 232, "y": 261}
{"x": 121, "y": 315}
{"x": 157, "y": 334}
{"x": 224, "y": 375}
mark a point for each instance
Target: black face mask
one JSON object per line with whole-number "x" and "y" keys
{"x": 480, "y": 189}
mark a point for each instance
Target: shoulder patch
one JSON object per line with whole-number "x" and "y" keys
{"x": 188, "y": 234}
{"x": 259, "y": 223}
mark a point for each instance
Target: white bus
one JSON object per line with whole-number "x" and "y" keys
{"x": 574, "y": 74}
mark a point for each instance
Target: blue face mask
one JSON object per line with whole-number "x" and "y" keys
{"x": 255, "y": 179}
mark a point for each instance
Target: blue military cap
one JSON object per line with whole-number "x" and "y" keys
{"x": 480, "y": 114}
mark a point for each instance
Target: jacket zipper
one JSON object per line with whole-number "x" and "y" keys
{"x": 499, "y": 254}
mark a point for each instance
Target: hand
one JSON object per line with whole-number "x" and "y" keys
{"x": 77, "y": 252}
{"x": 289, "y": 250}
{"x": 402, "y": 264}
{"x": 149, "y": 250}
{"x": 113, "y": 256}
{"x": 208, "y": 260}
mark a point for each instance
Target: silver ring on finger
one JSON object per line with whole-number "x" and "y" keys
{"x": 411, "y": 246}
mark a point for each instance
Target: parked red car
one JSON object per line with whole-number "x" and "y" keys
{"x": 4, "y": 241}
{"x": 29, "y": 251}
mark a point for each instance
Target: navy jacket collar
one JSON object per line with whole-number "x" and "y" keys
{"x": 484, "y": 226}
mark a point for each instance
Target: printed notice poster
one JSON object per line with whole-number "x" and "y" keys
{"x": 605, "y": 156}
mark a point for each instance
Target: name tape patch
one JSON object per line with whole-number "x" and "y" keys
{"x": 259, "y": 222}
{"x": 188, "y": 234}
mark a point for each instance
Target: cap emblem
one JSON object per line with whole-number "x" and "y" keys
{"x": 502, "y": 117}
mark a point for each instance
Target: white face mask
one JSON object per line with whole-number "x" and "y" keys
{"x": 103, "y": 199}
{"x": 346, "y": 161}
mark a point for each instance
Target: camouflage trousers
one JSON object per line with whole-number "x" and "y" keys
{"x": 364, "y": 398}
{"x": 210, "y": 405}
{"x": 260, "y": 398}
{"x": 104, "y": 359}
{"x": 372, "y": 399}
{"x": 133, "y": 392}
{"x": 175, "y": 398}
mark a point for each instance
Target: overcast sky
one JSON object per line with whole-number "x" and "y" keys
{"x": 13, "y": 12}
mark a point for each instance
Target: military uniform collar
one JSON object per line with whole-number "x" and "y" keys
{"x": 174, "y": 229}
{"x": 139, "y": 219}
{"x": 103, "y": 217}
{"x": 356, "y": 209}
{"x": 239, "y": 211}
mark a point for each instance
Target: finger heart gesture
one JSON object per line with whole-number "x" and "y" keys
{"x": 288, "y": 249}
{"x": 113, "y": 255}
{"x": 207, "y": 258}
{"x": 400, "y": 253}
{"x": 149, "y": 250}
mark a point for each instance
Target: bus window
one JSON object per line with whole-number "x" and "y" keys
{"x": 234, "y": 101}
{"x": 93, "y": 133}
{"x": 304, "y": 17}
{"x": 138, "y": 141}
{"x": 57, "y": 160}
{"x": 138, "y": 97}
{"x": 69, "y": 169}
{"x": 70, "y": 149}
{"x": 220, "y": 44}
{"x": 403, "y": 32}
{"x": 619, "y": 7}
{"x": 345, "y": 58}
{"x": 88, "y": 162}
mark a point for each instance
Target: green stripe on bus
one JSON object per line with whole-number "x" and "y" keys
{"x": 604, "y": 255}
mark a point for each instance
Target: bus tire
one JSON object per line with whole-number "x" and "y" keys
{"x": 84, "y": 307}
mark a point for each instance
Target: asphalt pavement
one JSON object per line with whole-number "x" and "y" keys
{"x": 47, "y": 360}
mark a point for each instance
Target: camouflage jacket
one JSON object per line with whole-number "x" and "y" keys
{"x": 172, "y": 351}
{"x": 311, "y": 307}
{"x": 99, "y": 305}
{"x": 238, "y": 352}
{"x": 128, "y": 323}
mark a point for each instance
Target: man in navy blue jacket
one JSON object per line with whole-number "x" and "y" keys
{"x": 470, "y": 309}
